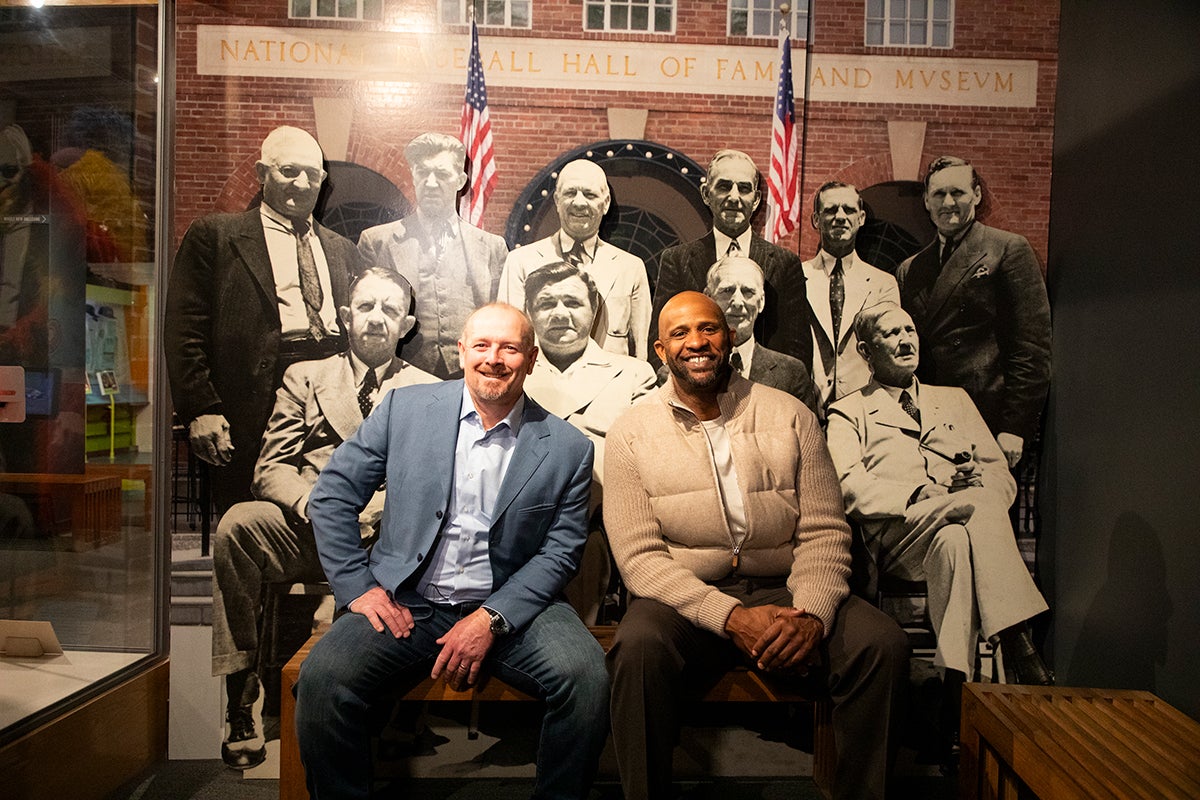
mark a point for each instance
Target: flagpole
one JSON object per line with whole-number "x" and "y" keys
{"x": 808, "y": 60}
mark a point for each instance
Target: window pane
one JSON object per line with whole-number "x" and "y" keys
{"x": 875, "y": 10}
{"x": 348, "y": 9}
{"x": 941, "y": 34}
{"x": 762, "y": 23}
{"x": 326, "y": 8}
{"x": 595, "y": 17}
{"x": 874, "y": 32}
{"x": 917, "y": 10}
{"x": 662, "y": 20}
{"x": 495, "y": 12}
{"x": 372, "y": 9}
{"x": 738, "y": 22}
{"x": 639, "y": 19}
{"x": 896, "y": 33}
{"x": 520, "y": 14}
{"x": 899, "y": 10}
{"x": 301, "y": 9}
{"x": 916, "y": 33}
{"x": 941, "y": 9}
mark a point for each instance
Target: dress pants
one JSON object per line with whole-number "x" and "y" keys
{"x": 254, "y": 545}
{"x": 976, "y": 578}
{"x": 553, "y": 658}
{"x": 659, "y": 661}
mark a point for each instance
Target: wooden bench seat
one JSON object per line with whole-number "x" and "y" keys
{"x": 1059, "y": 743}
{"x": 737, "y": 686}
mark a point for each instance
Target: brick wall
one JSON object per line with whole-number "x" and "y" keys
{"x": 221, "y": 121}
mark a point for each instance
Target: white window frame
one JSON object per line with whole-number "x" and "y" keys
{"x": 609, "y": 5}
{"x": 797, "y": 22}
{"x": 899, "y": 12}
{"x": 312, "y": 12}
{"x": 464, "y": 16}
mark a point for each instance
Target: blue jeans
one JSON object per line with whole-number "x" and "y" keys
{"x": 554, "y": 658}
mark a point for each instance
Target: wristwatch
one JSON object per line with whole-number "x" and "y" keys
{"x": 499, "y": 625}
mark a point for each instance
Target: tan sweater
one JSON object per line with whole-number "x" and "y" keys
{"x": 667, "y": 526}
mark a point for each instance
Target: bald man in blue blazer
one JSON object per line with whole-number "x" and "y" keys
{"x": 484, "y": 524}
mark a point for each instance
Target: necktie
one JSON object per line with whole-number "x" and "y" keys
{"x": 837, "y": 299}
{"x": 370, "y": 383}
{"x": 735, "y": 249}
{"x": 310, "y": 282}
{"x": 575, "y": 256}
{"x": 735, "y": 361}
{"x": 947, "y": 251}
{"x": 906, "y": 402}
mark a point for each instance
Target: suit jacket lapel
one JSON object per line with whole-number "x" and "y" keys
{"x": 602, "y": 272}
{"x": 702, "y": 257}
{"x": 532, "y": 448}
{"x": 250, "y": 244}
{"x": 337, "y": 396}
{"x": 477, "y": 263}
{"x": 762, "y": 365}
{"x": 963, "y": 262}
{"x": 886, "y": 411}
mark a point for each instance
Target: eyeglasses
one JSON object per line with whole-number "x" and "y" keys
{"x": 291, "y": 172}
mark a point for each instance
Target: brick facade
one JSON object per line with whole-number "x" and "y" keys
{"x": 221, "y": 120}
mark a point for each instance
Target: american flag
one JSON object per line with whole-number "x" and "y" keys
{"x": 476, "y": 133}
{"x": 783, "y": 181}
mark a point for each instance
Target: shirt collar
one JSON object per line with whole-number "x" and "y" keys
{"x": 828, "y": 260}
{"x": 512, "y": 419}
{"x": 449, "y": 224}
{"x": 359, "y": 369}
{"x": 590, "y": 246}
{"x": 269, "y": 214}
{"x": 913, "y": 391}
{"x": 723, "y": 241}
{"x": 746, "y": 351}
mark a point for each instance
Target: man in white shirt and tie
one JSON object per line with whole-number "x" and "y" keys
{"x": 582, "y": 198}
{"x": 839, "y": 285}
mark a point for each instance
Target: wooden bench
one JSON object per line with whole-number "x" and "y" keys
{"x": 94, "y": 501}
{"x": 1057, "y": 743}
{"x": 737, "y": 686}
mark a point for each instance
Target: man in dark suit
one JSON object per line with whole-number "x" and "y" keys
{"x": 249, "y": 295}
{"x": 979, "y": 302}
{"x": 735, "y": 283}
{"x": 453, "y": 266}
{"x": 732, "y": 194}
{"x": 319, "y": 405}
{"x": 484, "y": 523}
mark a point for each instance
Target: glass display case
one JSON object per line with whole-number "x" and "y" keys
{"x": 80, "y": 427}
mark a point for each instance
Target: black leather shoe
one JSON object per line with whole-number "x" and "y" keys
{"x": 244, "y": 747}
{"x": 1022, "y": 664}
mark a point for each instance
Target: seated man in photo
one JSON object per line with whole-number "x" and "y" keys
{"x": 736, "y": 284}
{"x": 584, "y": 384}
{"x": 923, "y": 475}
{"x": 725, "y": 519}
{"x": 320, "y": 404}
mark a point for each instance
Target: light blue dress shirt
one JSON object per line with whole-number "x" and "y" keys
{"x": 460, "y": 570}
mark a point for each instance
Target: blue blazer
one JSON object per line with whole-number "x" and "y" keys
{"x": 539, "y": 523}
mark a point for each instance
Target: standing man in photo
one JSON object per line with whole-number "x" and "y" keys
{"x": 839, "y": 285}
{"x": 582, "y": 198}
{"x": 452, "y": 265}
{"x": 319, "y": 405}
{"x": 979, "y": 301}
{"x": 249, "y": 295}
{"x": 731, "y": 192}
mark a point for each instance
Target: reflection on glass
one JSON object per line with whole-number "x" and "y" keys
{"x": 78, "y": 169}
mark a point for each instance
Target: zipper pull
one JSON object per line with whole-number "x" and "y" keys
{"x": 736, "y": 551}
